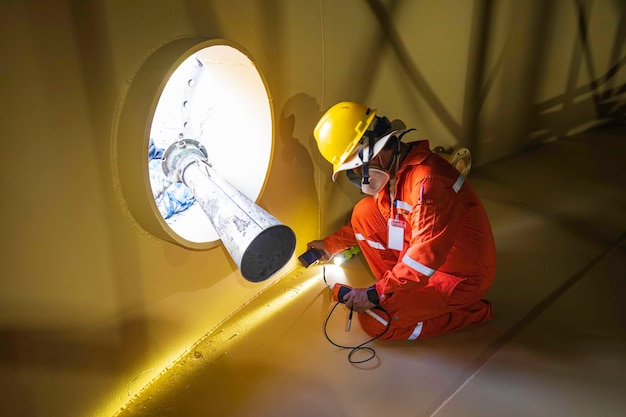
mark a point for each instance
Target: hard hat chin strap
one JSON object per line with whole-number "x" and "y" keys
{"x": 366, "y": 158}
{"x": 378, "y": 128}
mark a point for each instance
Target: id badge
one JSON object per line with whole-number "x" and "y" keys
{"x": 396, "y": 234}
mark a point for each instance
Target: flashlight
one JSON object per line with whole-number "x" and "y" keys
{"x": 340, "y": 258}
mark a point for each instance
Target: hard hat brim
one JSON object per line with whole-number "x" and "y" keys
{"x": 354, "y": 161}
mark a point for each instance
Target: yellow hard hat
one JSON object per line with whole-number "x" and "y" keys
{"x": 339, "y": 130}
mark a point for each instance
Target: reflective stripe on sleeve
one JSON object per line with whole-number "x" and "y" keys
{"x": 418, "y": 330}
{"x": 458, "y": 184}
{"x": 419, "y": 267}
{"x": 373, "y": 244}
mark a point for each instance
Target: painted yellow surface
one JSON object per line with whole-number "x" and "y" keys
{"x": 92, "y": 306}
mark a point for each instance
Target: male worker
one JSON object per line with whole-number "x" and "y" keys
{"x": 423, "y": 230}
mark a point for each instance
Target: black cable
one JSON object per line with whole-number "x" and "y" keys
{"x": 361, "y": 347}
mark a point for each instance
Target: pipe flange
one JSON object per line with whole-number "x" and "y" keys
{"x": 462, "y": 161}
{"x": 178, "y": 152}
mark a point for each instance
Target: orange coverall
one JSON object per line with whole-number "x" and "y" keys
{"x": 436, "y": 283}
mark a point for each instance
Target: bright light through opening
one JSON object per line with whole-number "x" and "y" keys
{"x": 217, "y": 97}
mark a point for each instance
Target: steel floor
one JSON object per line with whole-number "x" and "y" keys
{"x": 556, "y": 347}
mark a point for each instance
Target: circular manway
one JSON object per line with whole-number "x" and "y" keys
{"x": 217, "y": 97}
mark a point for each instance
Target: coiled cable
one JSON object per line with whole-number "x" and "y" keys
{"x": 360, "y": 347}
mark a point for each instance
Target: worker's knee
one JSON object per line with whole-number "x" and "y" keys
{"x": 373, "y": 327}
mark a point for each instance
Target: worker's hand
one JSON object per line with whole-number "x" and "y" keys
{"x": 357, "y": 300}
{"x": 319, "y": 245}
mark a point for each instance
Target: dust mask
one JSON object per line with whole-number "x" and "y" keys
{"x": 377, "y": 181}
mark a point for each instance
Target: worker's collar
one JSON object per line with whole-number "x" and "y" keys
{"x": 416, "y": 153}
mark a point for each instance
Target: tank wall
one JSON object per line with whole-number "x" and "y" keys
{"x": 92, "y": 306}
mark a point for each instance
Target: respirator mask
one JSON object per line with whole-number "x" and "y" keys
{"x": 376, "y": 181}
{"x": 371, "y": 180}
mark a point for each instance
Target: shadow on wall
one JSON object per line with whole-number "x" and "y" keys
{"x": 306, "y": 113}
{"x": 295, "y": 128}
{"x": 205, "y": 18}
{"x": 390, "y": 36}
{"x": 602, "y": 92}
{"x": 519, "y": 63}
{"x": 521, "y": 121}
{"x": 309, "y": 179}
{"x": 291, "y": 182}
{"x": 96, "y": 59}
{"x": 298, "y": 119}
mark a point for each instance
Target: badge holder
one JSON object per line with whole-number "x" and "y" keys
{"x": 395, "y": 240}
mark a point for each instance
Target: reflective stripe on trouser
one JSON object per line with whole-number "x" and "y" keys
{"x": 476, "y": 313}
{"x": 433, "y": 314}
{"x": 370, "y": 229}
